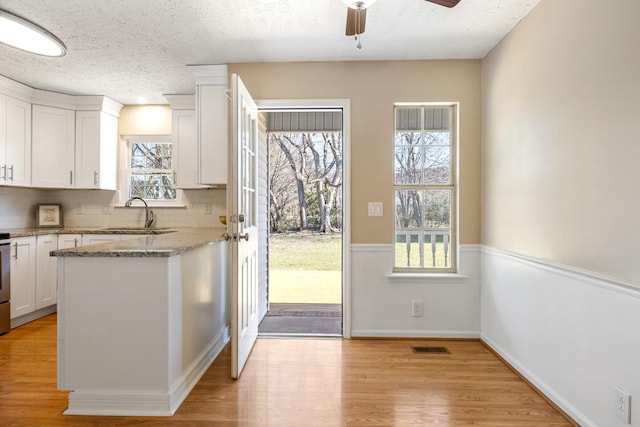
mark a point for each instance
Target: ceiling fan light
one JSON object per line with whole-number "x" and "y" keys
{"x": 25, "y": 35}
{"x": 358, "y": 4}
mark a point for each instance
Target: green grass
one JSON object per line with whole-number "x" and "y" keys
{"x": 305, "y": 251}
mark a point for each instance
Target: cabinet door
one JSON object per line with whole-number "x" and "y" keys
{"x": 185, "y": 149}
{"x": 23, "y": 276}
{"x": 91, "y": 239}
{"x": 212, "y": 106}
{"x": 53, "y": 150}
{"x": 96, "y": 150}
{"x": 66, "y": 241}
{"x": 18, "y": 153}
{"x": 46, "y": 271}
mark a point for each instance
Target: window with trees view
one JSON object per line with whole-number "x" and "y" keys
{"x": 149, "y": 169}
{"x": 425, "y": 187}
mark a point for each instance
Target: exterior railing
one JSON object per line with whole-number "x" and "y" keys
{"x": 433, "y": 248}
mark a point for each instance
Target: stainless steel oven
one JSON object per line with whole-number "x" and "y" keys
{"x": 5, "y": 283}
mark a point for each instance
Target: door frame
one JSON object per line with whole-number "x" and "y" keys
{"x": 345, "y": 105}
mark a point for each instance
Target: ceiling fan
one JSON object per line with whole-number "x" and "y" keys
{"x": 357, "y": 15}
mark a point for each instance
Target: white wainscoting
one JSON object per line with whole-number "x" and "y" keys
{"x": 381, "y": 307}
{"x": 573, "y": 334}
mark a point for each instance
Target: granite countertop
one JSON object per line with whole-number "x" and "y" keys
{"x": 27, "y": 232}
{"x": 170, "y": 242}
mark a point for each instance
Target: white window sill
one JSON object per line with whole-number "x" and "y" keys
{"x": 427, "y": 278}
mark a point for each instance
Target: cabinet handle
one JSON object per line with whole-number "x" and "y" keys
{"x": 70, "y": 177}
{"x": 75, "y": 243}
{"x": 4, "y": 172}
{"x": 15, "y": 245}
{"x": 175, "y": 178}
{"x": 95, "y": 177}
{"x": 11, "y": 170}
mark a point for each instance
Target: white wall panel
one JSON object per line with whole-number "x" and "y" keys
{"x": 571, "y": 333}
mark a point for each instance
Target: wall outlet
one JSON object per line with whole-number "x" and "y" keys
{"x": 417, "y": 308}
{"x": 623, "y": 405}
{"x": 207, "y": 208}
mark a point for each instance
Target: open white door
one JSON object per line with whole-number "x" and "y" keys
{"x": 244, "y": 226}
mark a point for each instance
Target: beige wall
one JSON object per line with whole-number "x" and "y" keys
{"x": 560, "y": 141}
{"x": 373, "y": 87}
{"x": 145, "y": 120}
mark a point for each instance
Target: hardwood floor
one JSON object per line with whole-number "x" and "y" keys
{"x": 299, "y": 382}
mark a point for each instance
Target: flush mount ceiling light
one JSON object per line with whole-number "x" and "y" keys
{"x": 25, "y": 35}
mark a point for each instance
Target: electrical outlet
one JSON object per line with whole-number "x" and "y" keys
{"x": 207, "y": 208}
{"x": 417, "y": 308}
{"x": 623, "y": 405}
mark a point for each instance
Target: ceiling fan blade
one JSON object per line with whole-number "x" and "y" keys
{"x": 353, "y": 21}
{"x": 446, "y": 3}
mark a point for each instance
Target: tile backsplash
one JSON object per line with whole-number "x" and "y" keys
{"x": 94, "y": 208}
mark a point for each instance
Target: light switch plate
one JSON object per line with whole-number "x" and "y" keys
{"x": 375, "y": 208}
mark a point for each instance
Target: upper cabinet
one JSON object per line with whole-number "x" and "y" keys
{"x": 15, "y": 142}
{"x": 76, "y": 147}
{"x": 212, "y": 122}
{"x": 96, "y": 150}
{"x": 185, "y": 141}
{"x": 53, "y": 144}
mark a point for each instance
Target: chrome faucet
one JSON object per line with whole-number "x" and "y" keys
{"x": 149, "y": 217}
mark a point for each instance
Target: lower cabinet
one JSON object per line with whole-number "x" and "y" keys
{"x": 46, "y": 271}
{"x": 34, "y": 281}
{"x": 23, "y": 276}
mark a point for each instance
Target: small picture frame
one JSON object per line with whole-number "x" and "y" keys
{"x": 49, "y": 216}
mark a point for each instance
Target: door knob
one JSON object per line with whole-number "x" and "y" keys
{"x": 244, "y": 236}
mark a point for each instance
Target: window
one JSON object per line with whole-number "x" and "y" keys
{"x": 148, "y": 171}
{"x": 425, "y": 187}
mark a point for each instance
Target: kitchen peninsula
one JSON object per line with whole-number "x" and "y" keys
{"x": 140, "y": 320}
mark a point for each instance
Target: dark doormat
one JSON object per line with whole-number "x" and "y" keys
{"x": 300, "y": 319}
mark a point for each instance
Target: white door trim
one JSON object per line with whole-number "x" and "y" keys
{"x": 345, "y": 105}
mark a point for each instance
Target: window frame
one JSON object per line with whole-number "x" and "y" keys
{"x": 125, "y": 169}
{"x": 453, "y": 186}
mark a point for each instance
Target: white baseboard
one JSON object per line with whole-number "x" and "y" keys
{"x": 35, "y": 315}
{"x": 148, "y": 404}
{"x": 385, "y": 333}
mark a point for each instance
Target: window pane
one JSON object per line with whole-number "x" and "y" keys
{"x": 408, "y": 250}
{"x": 151, "y": 156}
{"x": 408, "y": 209}
{"x": 437, "y": 165}
{"x": 437, "y": 208}
{"x": 152, "y": 186}
{"x": 437, "y": 249}
{"x": 408, "y": 165}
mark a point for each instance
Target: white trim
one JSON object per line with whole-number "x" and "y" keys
{"x": 592, "y": 278}
{"x": 544, "y": 388}
{"x": 34, "y": 315}
{"x": 426, "y": 278}
{"x": 147, "y": 404}
{"x": 371, "y": 247}
{"x": 345, "y": 105}
{"x": 387, "y": 333}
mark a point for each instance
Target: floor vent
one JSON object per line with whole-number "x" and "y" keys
{"x": 430, "y": 350}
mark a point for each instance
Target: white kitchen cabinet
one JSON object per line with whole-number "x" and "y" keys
{"x": 23, "y": 276}
{"x": 46, "y": 271}
{"x": 53, "y": 147}
{"x": 66, "y": 241}
{"x": 15, "y": 142}
{"x": 212, "y": 124}
{"x": 91, "y": 239}
{"x": 96, "y": 148}
{"x": 185, "y": 149}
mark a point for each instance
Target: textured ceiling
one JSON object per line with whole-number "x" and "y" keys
{"x": 127, "y": 49}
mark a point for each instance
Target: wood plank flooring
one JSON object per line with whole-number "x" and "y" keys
{"x": 299, "y": 382}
